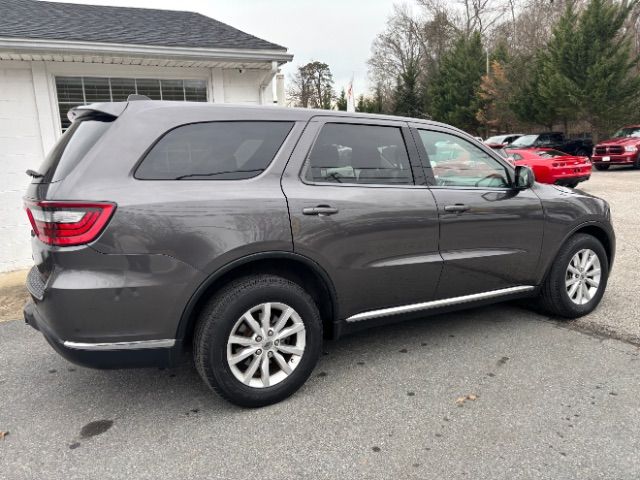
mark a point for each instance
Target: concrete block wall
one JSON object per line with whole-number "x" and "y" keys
{"x": 20, "y": 148}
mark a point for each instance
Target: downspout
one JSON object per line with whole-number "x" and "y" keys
{"x": 266, "y": 80}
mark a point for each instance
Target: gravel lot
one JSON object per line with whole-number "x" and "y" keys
{"x": 552, "y": 400}
{"x": 619, "y": 312}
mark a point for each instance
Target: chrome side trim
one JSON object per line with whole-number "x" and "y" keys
{"x": 445, "y": 302}
{"x": 139, "y": 345}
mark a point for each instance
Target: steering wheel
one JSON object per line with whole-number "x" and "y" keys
{"x": 491, "y": 176}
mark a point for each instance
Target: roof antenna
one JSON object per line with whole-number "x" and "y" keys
{"x": 134, "y": 96}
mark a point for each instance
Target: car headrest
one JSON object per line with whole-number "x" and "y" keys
{"x": 325, "y": 156}
{"x": 366, "y": 157}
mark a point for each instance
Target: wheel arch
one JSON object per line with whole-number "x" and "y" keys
{"x": 599, "y": 232}
{"x": 596, "y": 230}
{"x": 297, "y": 268}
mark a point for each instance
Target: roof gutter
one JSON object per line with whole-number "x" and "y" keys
{"x": 71, "y": 47}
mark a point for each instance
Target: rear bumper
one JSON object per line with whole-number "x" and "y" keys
{"x": 623, "y": 159}
{"x": 570, "y": 180}
{"x": 158, "y": 353}
{"x": 109, "y": 310}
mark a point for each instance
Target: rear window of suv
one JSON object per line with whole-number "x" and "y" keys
{"x": 71, "y": 148}
{"x": 214, "y": 151}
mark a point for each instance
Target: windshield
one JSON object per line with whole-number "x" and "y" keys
{"x": 496, "y": 139}
{"x": 524, "y": 141}
{"x": 550, "y": 154}
{"x": 627, "y": 132}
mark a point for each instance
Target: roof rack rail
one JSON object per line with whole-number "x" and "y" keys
{"x": 134, "y": 96}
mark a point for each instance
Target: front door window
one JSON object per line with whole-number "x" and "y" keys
{"x": 458, "y": 163}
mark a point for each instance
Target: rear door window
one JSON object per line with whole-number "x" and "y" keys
{"x": 214, "y": 151}
{"x": 72, "y": 147}
{"x": 362, "y": 154}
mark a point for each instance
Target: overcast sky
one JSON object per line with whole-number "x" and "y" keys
{"x": 338, "y": 32}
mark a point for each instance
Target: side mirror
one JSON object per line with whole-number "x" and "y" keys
{"x": 524, "y": 177}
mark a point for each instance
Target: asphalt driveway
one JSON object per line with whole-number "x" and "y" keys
{"x": 550, "y": 402}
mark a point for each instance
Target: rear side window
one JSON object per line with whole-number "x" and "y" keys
{"x": 364, "y": 154}
{"x": 214, "y": 151}
{"x": 71, "y": 148}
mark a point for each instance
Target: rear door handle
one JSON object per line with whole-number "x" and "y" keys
{"x": 457, "y": 208}
{"x": 320, "y": 210}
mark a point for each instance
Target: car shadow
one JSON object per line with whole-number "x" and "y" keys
{"x": 180, "y": 391}
{"x": 615, "y": 168}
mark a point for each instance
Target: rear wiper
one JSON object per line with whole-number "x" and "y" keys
{"x": 34, "y": 174}
{"x": 213, "y": 174}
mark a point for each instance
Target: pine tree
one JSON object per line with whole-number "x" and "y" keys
{"x": 407, "y": 98}
{"x": 452, "y": 92}
{"x": 589, "y": 70}
{"x": 528, "y": 104}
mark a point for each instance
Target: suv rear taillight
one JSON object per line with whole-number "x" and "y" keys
{"x": 68, "y": 223}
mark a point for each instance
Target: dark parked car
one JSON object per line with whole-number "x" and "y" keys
{"x": 556, "y": 141}
{"x": 246, "y": 235}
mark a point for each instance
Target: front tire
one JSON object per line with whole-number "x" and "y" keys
{"x": 258, "y": 340}
{"x": 578, "y": 278}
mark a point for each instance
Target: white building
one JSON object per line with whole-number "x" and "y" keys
{"x": 54, "y": 56}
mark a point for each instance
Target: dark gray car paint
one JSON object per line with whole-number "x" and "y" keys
{"x": 387, "y": 246}
{"x": 496, "y": 243}
{"x": 380, "y": 236}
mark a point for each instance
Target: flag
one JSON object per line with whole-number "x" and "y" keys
{"x": 351, "y": 103}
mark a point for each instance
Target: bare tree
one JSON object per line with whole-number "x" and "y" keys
{"x": 396, "y": 49}
{"x": 470, "y": 15}
{"x": 312, "y": 86}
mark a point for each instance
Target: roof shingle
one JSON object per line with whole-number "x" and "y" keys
{"x": 136, "y": 26}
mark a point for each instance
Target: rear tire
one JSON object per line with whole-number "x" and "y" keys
{"x": 601, "y": 167}
{"x": 570, "y": 289}
{"x": 244, "y": 319}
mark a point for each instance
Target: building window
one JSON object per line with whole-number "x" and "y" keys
{"x": 74, "y": 91}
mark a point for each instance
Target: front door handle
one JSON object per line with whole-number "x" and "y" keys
{"x": 320, "y": 210}
{"x": 457, "y": 208}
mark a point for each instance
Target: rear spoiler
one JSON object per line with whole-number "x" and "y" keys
{"x": 110, "y": 110}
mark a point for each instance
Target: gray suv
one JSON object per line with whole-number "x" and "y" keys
{"x": 246, "y": 235}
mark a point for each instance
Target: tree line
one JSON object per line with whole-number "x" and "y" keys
{"x": 490, "y": 66}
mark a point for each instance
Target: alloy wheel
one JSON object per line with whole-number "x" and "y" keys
{"x": 266, "y": 344}
{"x": 582, "y": 278}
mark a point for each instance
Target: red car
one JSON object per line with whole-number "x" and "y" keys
{"x": 622, "y": 149}
{"x": 553, "y": 166}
